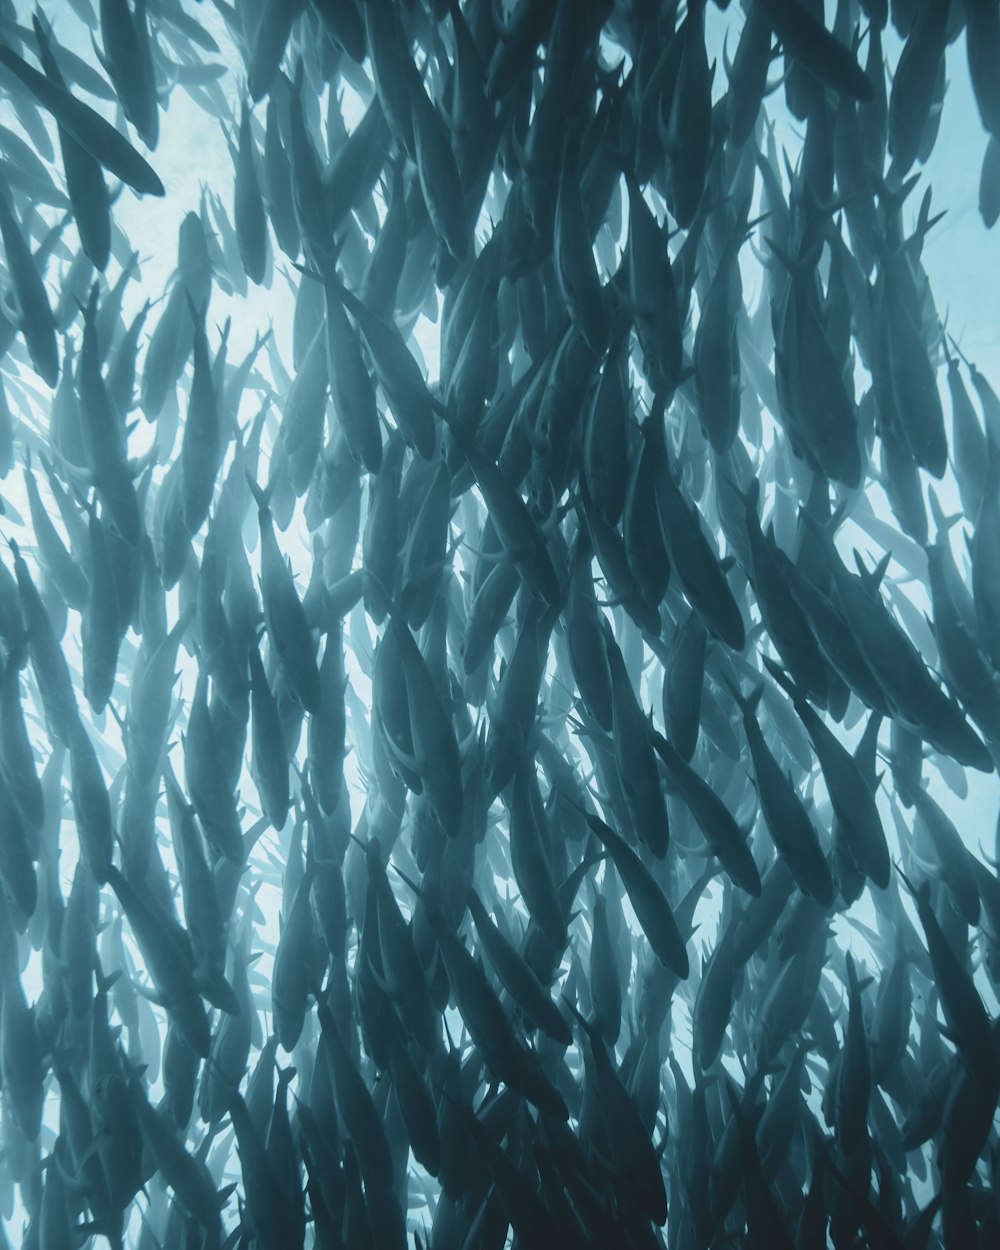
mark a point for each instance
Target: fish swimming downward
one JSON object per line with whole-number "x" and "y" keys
{"x": 499, "y": 627}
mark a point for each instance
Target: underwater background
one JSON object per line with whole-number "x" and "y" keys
{"x": 500, "y": 623}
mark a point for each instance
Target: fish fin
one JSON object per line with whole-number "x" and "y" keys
{"x": 781, "y": 677}
{"x": 872, "y": 579}
{"x": 262, "y": 494}
{"x": 942, "y": 523}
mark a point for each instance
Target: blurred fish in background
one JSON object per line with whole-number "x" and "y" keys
{"x": 499, "y": 624}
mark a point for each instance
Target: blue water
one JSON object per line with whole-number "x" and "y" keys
{"x": 961, "y": 259}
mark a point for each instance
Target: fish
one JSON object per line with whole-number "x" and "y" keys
{"x": 85, "y": 184}
{"x": 788, "y": 822}
{"x": 816, "y": 49}
{"x": 912, "y": 95}
{"x": 498, "y": 613}
{"x": 284, "y": 615}
{"x": 34, "y": 311}
{"x": 114, "y": 152}
{"x": 127, "y": 61}
{"x": 721, "y": 831}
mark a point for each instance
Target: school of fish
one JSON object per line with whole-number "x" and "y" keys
{"x": 503, "y": 800}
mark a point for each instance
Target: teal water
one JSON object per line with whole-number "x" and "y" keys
{"x": 193, "y": 158}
